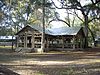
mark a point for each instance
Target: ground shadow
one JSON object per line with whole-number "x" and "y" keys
{"x": 72, "y": 63}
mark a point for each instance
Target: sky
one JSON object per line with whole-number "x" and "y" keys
{"x": 63, "y": 14}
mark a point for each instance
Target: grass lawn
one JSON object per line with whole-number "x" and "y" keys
{"x": 6, "y": 47}
{"x": 60, "y": 63}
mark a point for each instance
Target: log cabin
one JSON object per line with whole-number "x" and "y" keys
{"x": 64, "y": 38}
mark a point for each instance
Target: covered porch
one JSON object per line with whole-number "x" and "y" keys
{"x": 64, "y": 42}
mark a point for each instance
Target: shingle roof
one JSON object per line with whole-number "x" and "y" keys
{"x": 58, "y": 31}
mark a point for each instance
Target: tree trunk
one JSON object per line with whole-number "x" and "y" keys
{"x": 86, "y": 31}
{"x": 92, "y": 36}
{"x": 43, "y": 32}
{"x": 12, "y": 43}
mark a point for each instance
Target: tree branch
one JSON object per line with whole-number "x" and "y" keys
{"x": 78, "y": 16}
{"x": 59, "y": 20}
{"x": 66, "y": 7}
{"x": 93, "y": 19}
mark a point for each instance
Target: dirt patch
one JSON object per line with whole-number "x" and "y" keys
{"x": 5, "y": 71}
{"x": 56, "y": 63}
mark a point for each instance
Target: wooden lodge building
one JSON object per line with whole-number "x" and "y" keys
{"x": 64, "y": 38}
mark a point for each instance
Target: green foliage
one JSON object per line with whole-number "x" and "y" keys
{"x": 1, "y": 15}
{"x": 5, "y": 31}
{"x": 18, "y": 13}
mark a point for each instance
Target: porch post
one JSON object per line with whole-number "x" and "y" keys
{"x": 81, "y": 42}
{"x": 62, "y": 42}
{"x": 33, "y": 40}
{"x": 47, "y": 43}
{"x": 17, "y": 40}
{"x": 52, "y": 43}
{"x": 25, "y": 41}
{"x": 73, "y": 42}
{"x": 77, "y": 42}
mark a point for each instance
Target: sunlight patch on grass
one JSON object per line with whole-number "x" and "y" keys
{"x": 5, "y": 46}
{"x": 76, "y": 62}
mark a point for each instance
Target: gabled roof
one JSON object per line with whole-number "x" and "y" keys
{"x": 64, "y": 31}
{"x": 33, "y": 27}
{"x": 57, "y": 31}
